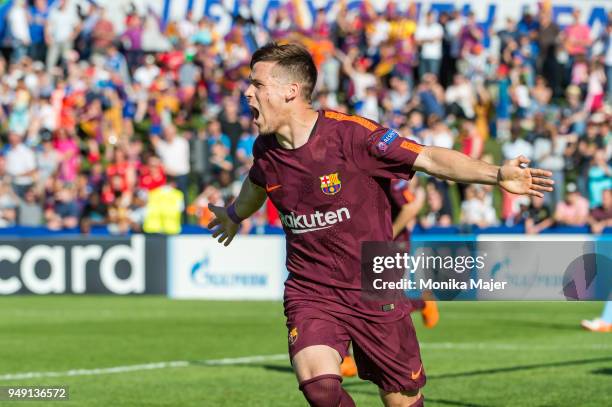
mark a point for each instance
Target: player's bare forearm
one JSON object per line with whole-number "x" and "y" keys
{"x": 250, "y": 199}
{"x": 452, "y": 165}
{"x": 514, "y": 176}
{"x": 408, "y": 213}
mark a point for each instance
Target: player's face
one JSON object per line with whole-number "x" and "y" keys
{"x": 266, "y": 97}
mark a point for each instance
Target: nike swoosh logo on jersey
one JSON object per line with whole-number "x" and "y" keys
{"x": 273, "y": 187}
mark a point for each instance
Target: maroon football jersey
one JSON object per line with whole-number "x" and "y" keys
{"x": 331, "y": 194}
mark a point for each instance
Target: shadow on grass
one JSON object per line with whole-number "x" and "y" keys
{"x": 276, "y": 368}
{"x": 608, "y": 371}
{"x": 353, "y": 388}
{"x": 541, "y": 325}
{"x": 604, "y": 370}
{"x": 519, "y": 368}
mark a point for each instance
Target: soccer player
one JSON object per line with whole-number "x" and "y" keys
{"x": 602, "y": 324}
{"x": 327, "y": 174}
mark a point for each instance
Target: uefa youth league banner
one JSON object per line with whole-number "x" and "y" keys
{"x": 250, "y": 268}
{"x": 489, "y": 13}
{"x": 83, "y": 265}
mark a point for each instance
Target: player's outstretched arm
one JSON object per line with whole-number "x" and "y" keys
{"x": 514, "y": 176}
{"x": 227, "y": 220}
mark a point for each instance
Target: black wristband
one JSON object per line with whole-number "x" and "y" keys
{"x": 231, "y": 213}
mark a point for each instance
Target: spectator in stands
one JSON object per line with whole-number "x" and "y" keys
{"x": 164, "y": 208}
{"x": 199, "y": 207}
{"x": 38, "y": 18}
{"x": 174, "y": 153}
{"x": 472, "y": 142}
{"x": 4, "y": 176}
{"x": 20, "y": 164}
{"x": 146, "y": 74}
{"x": 8, "y": 205}
{"x": 587, "y": 148}
{"x": 470, "y": 35}
{"x": 577, "y": 36}
{"x": 47, "y": 159}
{"x": 368, "y": 107}
{"x": 607, "y": 42}
{"x": 357, "y": 71}
{"x": 131, "y": 39}
{"x": 430, "y": 95}
{"x": 574, "y": 210}
{"x": 63, "y": 211}
{"x": 216, "y": 135}
{"x": 151, "y": 174}
{"x": 19, "y": 29}
{"x": 138, "y": 211}
{"x": 537, "y": 217}
{"x": 94, "y": 214}
{"x": 228, "y": 127}
{"x": 548, "y": 149}
{"x": 30, "y": 209}
{"x": 438, "y": 133}
{"x": 61, "y": 31}
{"x": 600, "y": 178}
{"x": 118, "y": 220}
{"x": 188, "y": 77}
{"x": 438, "y": 212}
{"x": 103, "y": 32}
{"x": 477, "y": 208}
{"x": 67, "y": 147}
{"x": 461, "y": 98}
{"x": 244, "y": 151}
{"x": 541, "y": 95}
{"x": 600, "y": 217}
{"x": 517, "y": 145}
{"x": 429, "y": 36}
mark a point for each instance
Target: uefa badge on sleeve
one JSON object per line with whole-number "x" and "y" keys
{"x": 330, "y": 184}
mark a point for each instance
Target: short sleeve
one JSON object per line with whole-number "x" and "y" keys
{"x": 256, "y": 173}
{"x": 383, "y": 153}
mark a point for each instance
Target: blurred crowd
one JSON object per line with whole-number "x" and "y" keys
{"x": 139, "y": 129}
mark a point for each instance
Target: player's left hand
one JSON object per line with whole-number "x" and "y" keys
{"x": 226, "y": 229}
{"x": 515, "y": 177}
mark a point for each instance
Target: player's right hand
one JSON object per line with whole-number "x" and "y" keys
{"x": 222, "y": 226}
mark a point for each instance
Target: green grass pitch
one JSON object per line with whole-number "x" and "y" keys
{"x": 481, "y": 354}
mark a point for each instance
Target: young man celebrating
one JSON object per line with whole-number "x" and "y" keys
{"x": 327, "y": 174}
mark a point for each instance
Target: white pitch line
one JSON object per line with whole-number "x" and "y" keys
{"x": 248, "y": 359}
{"x": 146, "y": 366}
{"x": 282, "y": 356}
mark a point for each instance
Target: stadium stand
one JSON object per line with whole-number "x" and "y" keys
{"x": 93, "y": 119}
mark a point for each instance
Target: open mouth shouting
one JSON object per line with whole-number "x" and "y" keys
{"x": 255, "y": 113}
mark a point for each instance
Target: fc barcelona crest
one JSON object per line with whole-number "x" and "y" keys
{"x": 330, "y": 184}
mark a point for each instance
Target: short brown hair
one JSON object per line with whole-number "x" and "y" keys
{"x": 294, "y": 59}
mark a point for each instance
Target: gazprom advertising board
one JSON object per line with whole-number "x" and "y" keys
{"x": 252, "y": 268}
